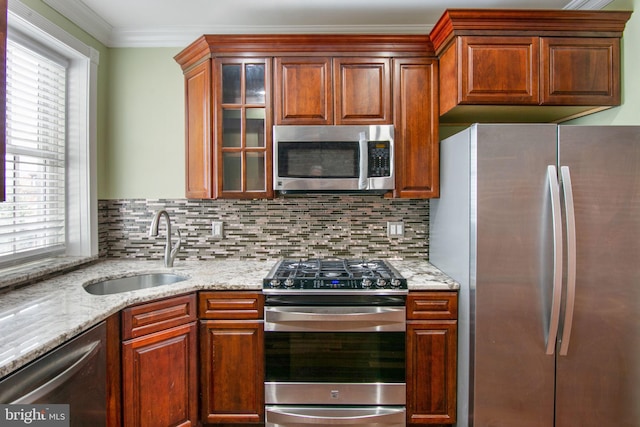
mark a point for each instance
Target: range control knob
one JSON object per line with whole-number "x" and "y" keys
{"x": 395, "y": 283}
{"x": 381, "y": 283}
{"x": 274, "y": 283}
{"x": 366, "y": 283}
{"x": 288, "y": 283}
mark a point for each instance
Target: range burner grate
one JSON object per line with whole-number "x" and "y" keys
{"x": 351, "y": 274}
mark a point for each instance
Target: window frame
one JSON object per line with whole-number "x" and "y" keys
{"x": 81, "y": 144}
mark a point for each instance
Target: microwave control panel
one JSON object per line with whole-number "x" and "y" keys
{"x": 379, "y": 159}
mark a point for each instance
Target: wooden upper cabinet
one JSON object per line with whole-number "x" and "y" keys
{"x": 417, "y": 152}
{"x": 497, "y": 65}
{"x": 327, "y": 91}
{"x": 303, "y": 91}
{"x": 242, "y": 128}
{"x": 597, "y": 60}
{"x": 317, "y": 79}
{"x": 362, "y": 92}
{"x": 198, "y": 155}
{"x": 498, "y": 70}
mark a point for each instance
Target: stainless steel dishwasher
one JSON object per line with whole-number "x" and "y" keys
{"x": 73, "y": 374}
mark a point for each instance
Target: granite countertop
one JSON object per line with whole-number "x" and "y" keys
{"x": 37, "y": 318}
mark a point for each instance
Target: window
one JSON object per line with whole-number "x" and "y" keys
{"x": 32, "y": 220}
{"x": 51, "y": 206}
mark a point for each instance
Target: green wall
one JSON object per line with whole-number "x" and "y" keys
{"x": 144, "y": 155}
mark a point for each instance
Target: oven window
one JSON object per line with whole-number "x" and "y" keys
{"x": 354, "y": 357}
{"x": 318, "y": 159}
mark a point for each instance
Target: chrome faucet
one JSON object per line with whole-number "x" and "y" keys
{"x": 169, "y": 252}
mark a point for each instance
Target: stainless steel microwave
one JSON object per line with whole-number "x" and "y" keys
{"x": 333, "y": 158}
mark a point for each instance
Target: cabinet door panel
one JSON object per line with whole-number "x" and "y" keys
{"x": 362, "y": 90}
{"x": 580, "y": 71}
{"x": 228, "y": 305}
{"x": 416, "y": 128}
{"x": 198, "y": 132}
{"x": 160, "y": 378}
{"x": 158, "y": 315}
{"x": 500, "y": 70}
{"x": 233, "y": 371}
{"x": 303, "y": 88}
{"x": 243, "y": 128}
{"x": 432, "y": 305}
{"x": 431, "y": 371}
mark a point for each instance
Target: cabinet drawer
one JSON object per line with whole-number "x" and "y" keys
{"x": 158, "y": 315}
{"x": 432, "y": 305}
{"x": 231, "y": 305}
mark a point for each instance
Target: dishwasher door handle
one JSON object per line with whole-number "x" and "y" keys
{"x": 86, "y": 354}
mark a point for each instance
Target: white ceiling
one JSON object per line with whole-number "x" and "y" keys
{"x": 175, "y": 23}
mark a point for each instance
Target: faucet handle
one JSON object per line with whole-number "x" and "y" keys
{"x": 174, "y": 250}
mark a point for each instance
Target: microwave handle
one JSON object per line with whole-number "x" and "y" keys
{"x": 363, "y": 143}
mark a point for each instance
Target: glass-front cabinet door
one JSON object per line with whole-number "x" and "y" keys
{"x": 243, "y": 128}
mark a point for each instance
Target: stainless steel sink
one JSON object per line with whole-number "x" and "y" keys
{"x": 132, "y": 283}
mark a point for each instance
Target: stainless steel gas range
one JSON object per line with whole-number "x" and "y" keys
{"x": 335, "y": 343}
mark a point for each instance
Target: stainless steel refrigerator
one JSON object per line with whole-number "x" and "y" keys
{"x": 540, "y": 224}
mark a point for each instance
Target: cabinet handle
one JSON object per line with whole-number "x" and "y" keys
{"x": 556, "y": 217}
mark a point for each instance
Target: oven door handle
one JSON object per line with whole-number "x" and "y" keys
{"x": 357, "y": 319}
{"x": 362, "y": 416}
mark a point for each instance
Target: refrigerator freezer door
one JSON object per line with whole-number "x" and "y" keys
{"x": 507, "y": 282}
{"x": 514, "y": 377}
{"x": 598, "y": 381}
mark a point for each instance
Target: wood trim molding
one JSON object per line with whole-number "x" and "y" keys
{"x": 459, "y": 22}
{"x": 381, "y": 45}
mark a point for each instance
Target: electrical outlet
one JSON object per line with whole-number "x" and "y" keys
{"x": 395, "y": 229}
{"x": 217, "y": 229}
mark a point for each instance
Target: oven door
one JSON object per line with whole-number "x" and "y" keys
{"x": 326, "y": 355}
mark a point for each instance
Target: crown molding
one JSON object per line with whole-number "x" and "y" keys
{"x": 183, "y": 36}
{"x": 84, "y": 17}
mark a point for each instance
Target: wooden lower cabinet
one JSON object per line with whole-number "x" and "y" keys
{"x": 159, "y": 363}
{"x": 432, "y": 357}
{"x": 232, "y": 357}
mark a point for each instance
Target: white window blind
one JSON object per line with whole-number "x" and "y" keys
{"x": 32, "y": 220}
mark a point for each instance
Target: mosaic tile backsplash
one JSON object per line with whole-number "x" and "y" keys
{"x": 316, "y": 226}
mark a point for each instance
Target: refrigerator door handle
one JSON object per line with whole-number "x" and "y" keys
{"x": 554, "y": 320}
{"x": 571, "y": 259}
